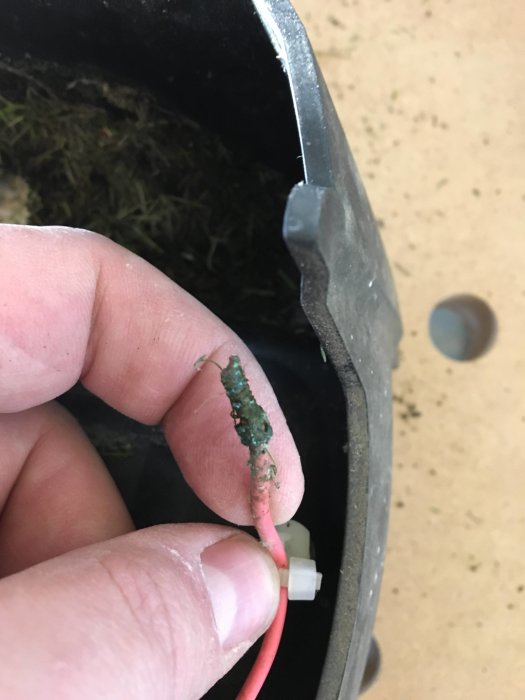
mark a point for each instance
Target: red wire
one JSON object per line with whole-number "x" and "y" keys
{"x": 260, "y": 505}
{"x": 263, "y": 663}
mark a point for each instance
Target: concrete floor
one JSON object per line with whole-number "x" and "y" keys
{"x": 431, "y": 95}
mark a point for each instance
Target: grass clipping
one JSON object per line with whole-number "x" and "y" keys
{"x": 109, "y": 158}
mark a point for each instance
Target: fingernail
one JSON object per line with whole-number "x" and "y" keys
{"x": 243, "y": 586}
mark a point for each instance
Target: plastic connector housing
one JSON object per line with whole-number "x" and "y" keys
{"x": 296, "y": 539}
{"x": 301, "y": 578}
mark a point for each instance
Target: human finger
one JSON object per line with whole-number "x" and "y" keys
{"x": 160, "y": 613}
{"x": 86, "y": 308}
{"x": 55, "y": 492}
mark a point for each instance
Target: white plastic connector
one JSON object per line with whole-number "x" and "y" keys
{"x": 301, "y": 579}
{"x": 296, "y": 539}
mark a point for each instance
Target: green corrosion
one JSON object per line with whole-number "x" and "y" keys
{"x": 250, "y": 419}
{"x": 251, "y": 422}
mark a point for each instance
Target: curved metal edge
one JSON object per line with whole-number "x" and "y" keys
{"x": 349, "y": 298}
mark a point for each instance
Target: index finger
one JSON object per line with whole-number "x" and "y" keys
{"x": 74, "y": 305}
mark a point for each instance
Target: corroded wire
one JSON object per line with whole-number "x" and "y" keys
{"x": 254, "y": 430}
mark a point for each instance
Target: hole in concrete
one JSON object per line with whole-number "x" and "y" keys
{"x": 463, "y": 327}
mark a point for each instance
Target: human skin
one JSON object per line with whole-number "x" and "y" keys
{"x": 89, "y": 608}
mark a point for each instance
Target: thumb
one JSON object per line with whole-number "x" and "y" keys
{"x": 159, "y": 613}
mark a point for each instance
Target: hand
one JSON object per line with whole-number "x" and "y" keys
{"x": 89, "y": 608}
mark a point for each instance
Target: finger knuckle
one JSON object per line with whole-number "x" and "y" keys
{"x": 138, "y": 591}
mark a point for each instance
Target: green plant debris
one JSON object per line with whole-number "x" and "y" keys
{"x": 14, "y": 194}
{"x": 109, "y": 158}
{"x": 111, "y": 444}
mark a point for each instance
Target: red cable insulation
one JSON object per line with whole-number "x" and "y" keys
{"x": 262, "y": 520}
{"x": 255, "y": 680}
